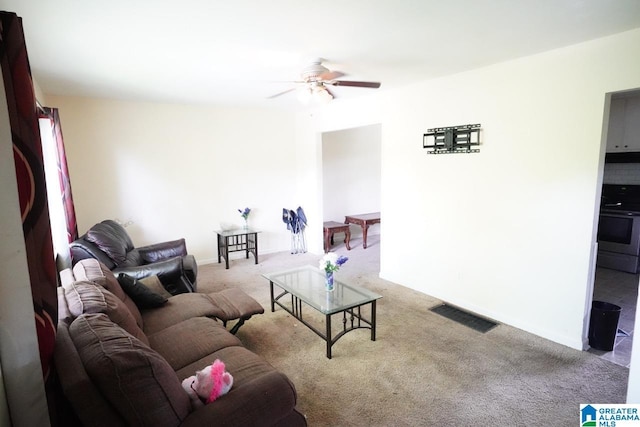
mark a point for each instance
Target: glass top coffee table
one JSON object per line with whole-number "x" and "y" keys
{"x": 305, "y": 286}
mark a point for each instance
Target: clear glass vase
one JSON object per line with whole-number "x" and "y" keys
{"x": 328, "y": 281}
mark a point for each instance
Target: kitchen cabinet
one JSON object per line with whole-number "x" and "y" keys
{"x": 624, "y": 125}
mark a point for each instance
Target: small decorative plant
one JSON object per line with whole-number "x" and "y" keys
{"x": 331, "y": 262}
{"x": 245, "y": 214}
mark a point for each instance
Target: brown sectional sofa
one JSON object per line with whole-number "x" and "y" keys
{"x": 121, "y": 366}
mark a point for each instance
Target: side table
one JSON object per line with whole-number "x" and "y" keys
{"x": 237, "y": 240}
{"x": 364, "y": 221}
{"x": 331, "y": 227}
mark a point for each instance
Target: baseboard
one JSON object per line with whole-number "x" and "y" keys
{"x": 240, "y": 255}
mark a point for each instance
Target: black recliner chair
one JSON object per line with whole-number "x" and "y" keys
{"x": 109, "y": 243}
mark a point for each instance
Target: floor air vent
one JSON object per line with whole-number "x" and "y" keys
{"x": 463, "y": 317}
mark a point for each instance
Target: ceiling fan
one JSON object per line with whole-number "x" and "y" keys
{"x": 315, "y": 80}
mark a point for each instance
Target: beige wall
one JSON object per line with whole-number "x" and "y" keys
{"x": 179, "y": 171}
{"x": 508, "y": 232}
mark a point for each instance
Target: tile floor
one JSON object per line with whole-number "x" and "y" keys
{"x": 621, "y": 289}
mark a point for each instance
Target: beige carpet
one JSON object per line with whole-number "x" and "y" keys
{"x": 423, "y": 369}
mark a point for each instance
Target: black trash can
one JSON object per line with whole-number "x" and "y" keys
{"x": 603, "y": 325}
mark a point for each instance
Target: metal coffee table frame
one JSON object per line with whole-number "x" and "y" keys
{"x": 305, "y": 286}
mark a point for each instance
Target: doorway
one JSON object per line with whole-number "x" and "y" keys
{"x": 351, "y": 176}
{"x": 621, "y": 168}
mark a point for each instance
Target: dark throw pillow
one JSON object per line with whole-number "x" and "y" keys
{"x": 139, "y": 293}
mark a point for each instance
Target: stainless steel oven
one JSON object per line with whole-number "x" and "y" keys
{"x": 619, "y": 241}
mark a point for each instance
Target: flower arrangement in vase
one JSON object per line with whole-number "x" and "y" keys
{"x": 330, "y": 263}
{"x": 245, "y": 214}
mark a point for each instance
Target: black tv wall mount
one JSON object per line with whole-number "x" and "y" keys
{"x": 453, "y": 139}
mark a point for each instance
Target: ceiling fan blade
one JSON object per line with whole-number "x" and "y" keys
{"x": 373, "y": 85}
{"x": 330, "y": 75}
{"x": 281, "y": 93}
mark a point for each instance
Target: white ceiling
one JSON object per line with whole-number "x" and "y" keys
{"x": 240, "y": 52}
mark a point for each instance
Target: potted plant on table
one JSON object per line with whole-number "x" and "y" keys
{"x": 245, "y": 214}
{"x": 330, "y": 263}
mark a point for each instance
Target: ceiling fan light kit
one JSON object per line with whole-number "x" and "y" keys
{"x": 315, "y": 79}
{"x": 314, "y": 93}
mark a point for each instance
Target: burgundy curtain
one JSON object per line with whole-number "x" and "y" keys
{"x": 63, "y": 173}
{"x": 25, "y": 133}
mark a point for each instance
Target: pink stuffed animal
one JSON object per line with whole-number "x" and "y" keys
{"x": 208, "y": 384}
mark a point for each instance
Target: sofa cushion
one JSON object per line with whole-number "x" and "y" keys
{"x": 191, "y": 340}
{"x": 135, "y": 379}
{"x": 94, "y": 271}
{"x": 133, "y": 259}
{"x": 259, "y": 391}
{"x": 108, "y": 241}
{"x": 120, "y": 232}
{"x": 88, "y": 297}
{"x": 66, "y": 276}
{"x": 179, "y": 307}
{"x": 84, "y": 396}
{"x": 139, "y": 293}
{"x": 234, "y": 304}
